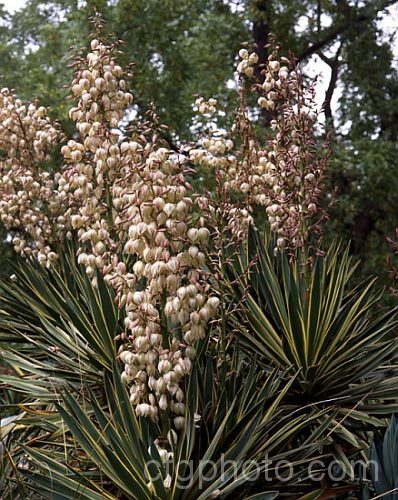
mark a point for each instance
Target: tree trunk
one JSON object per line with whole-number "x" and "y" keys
{"x": 261, "y": 32}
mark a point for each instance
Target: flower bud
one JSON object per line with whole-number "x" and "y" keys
{"x": 179, "y": 423}
{"x": 163, "y": 402}
{"x": 274, "y": 65}
{"x": 192, "y": 234}
{"x": 244, "y": 54}
{"x": 143, "y": 410}
{"x": 164, "y": 366}
{"x": 253, "y": 58}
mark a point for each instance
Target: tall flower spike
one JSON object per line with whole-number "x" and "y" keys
{"x": 169, "y": 256}
{"x": 283, "y": 173}
{"x": 129, "y": 197}
{"x": 94, "y": 162}
{"x": 296, "y": 159}
{"x": 29, "y": 203}
{"x": 126, "y": 197}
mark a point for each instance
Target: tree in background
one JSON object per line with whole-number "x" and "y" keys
{"x": 191, "y": 46}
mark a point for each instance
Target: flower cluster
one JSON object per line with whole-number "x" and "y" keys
{"x": 95, "y": 160}
{"x": 216, "y": 152}
{"x": 295, "y": 163}
{"x": 246, "y": 65}
{"x": 29, "y": 202}
{"x": 129, "y": 201}
{"x": 282, "y": 173}
{"x": 125, "y": 195}
{"x": 166, "y": 293}
{"x": 205, "y": 107}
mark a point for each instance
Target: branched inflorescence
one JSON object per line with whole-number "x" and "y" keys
{"x": 29, "y": 202}
{"x": 125, "y": 196}
{"x": 284, "y": 172}
{"x": 129, "y": 197}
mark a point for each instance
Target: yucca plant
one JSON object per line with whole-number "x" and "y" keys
{"x": 72, "y": 432}
{"x": 56, "y": 332}
{"x": 306, "y": 320}
{"x": 57, "y": 319}
{"x": 75, "y": 421}
{"x": 119, "y": 457}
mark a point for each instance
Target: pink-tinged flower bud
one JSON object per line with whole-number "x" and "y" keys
{"x": 204, "y": 314}
{"x": 274, "y": 65}
{"x": 171, "y": 377}
{"x": 179, "y": 408}
{"x": 159, "y": 203}
{"x": 213, "y": 302}
{"x": 203, "y": 234}
{"x": 94, "y": 93}
{"x": 168, "y": 309}
{"x": 181, "y": 228}
{"x": 135, "y": 398}
{"x": 141, "y": 343}
{"x": 139, "y": 267}
{"x": 125, "y": 378}
{"x": 173, "y": 265}
{"x": 84, "y": 83}
{"x": 169, "y": 209}
{"x": 148, "y": 254}
{"x": 280, "y": 243}
{"x": 100, "y": 84}
{"x": 90, "y": 271}
{"x": 138, "y": 297}
{"x": 193, "y": 251}
{"x": 172, "y": 438}
{"x": 190, "y": 351}
{"x": 164, "y": 366}
{"x": 143, "y": 410}
{"x": 141, "y": 375}
{"x": 181, "y": 207}
{"x": 125, "y": 147}
{"x": 163, "y": 455}
{"x": 152, "y": 383}
{"x": 76, "y": 89}
{"x": 195, "y": 318}
{"x": 312, "y": 208}
{"x": 283, "y": 73}
{"x": 181, "y": 293}
{"x": 262, "y": 102}
{"x": 100, "y": 247}
{"x": 117, "y": 71}
{"x": 270, "y": 105}
{"x": 310, "y": 177}
{"x": 186, "y": 364}
{"x": 161, "y": 386}
{"x": 126, "y": 357}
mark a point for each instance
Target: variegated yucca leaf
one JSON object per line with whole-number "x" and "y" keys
{"x": 306, "y": 320}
